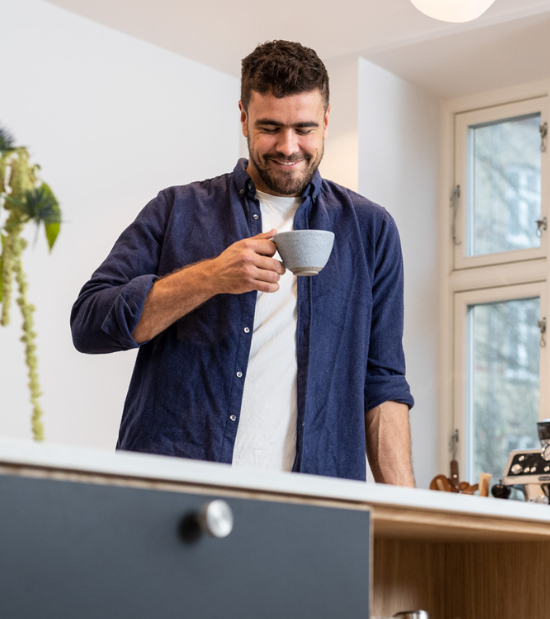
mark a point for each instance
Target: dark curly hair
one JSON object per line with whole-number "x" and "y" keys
{"x": 283, "y": 68}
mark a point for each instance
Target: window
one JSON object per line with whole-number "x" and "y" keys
{"x": 499, "y": 173}
{"x": 495, "y": 280}
{"x": 497, "y": 345}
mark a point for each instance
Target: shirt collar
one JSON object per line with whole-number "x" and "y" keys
{"x": 245, "y": 185}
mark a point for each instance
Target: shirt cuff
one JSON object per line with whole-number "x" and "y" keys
{"x": 385, "y": 388}
{"x": 124, "y": 315}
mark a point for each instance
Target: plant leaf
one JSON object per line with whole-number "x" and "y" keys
{"x": 14, "y": 203}
{"x": 52, "y": 230}
{"x": 41, "y": 206}
{"x": 7, "y": 143}
{"x": 50, "y": 215}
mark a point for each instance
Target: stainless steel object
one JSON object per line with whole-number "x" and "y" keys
{"x": 544, "y": 437}
{"x": 517, "y": 469}
{"x": 529, "y": 469}
{"x": 216, "y": 518}
{"x": 413, "y": 614}
{"x": 535, "y": 493}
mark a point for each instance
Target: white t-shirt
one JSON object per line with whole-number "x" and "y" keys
{"x": 266, "y": 436}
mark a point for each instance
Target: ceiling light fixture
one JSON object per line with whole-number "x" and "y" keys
{"x": 453, "y": 10}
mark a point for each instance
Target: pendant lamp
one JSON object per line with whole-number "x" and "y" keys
{"x": 453, "y": 10}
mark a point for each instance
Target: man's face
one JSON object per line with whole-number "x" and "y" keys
{"x": 285, "y": 140}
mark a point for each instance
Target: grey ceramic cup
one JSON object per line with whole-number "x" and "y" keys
{"x": 304, "y": 252}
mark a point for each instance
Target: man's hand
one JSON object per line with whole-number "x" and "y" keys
{"x": 388, "y": 438}
{"x": 247, "y": 265}
{"x": 244, "y": 266}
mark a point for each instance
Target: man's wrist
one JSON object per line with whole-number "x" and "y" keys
{"x": 206, "y": 278}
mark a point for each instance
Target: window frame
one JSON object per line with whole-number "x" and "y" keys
{"x": 461, "y": 388}
{"x": 463, "y": 121}
{"x": 475, "y": 276}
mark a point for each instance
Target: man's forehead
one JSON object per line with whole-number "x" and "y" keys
{"x": 302, "y": 104}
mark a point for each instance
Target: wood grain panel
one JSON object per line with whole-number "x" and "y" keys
{"x": 408, "y": 576}
{"x": 402, "y": 523}
{"x": 463, "y": 580}
{"x": 497, "y": 581}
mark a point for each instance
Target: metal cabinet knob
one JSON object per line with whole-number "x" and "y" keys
{"x": 216, "y": 518}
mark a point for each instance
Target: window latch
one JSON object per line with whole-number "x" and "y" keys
{"x": 542, "y": 224}
{"x": 543, "y": 133}
{"x": 453, "y": 443}
{"x": 455, "y": 204}
{"x": 541, "y": 324}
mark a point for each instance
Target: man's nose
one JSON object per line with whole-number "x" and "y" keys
{"x": 288, "y": 143}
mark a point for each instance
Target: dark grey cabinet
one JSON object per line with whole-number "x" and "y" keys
{"x": 89, "y": 551}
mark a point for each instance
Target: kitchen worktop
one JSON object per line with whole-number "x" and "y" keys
{"x": 152, "y": 467}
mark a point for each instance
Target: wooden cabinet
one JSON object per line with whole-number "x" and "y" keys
{"x": 458, "y": 566}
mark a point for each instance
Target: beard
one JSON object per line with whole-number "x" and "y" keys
{"x": 282, "y": 182}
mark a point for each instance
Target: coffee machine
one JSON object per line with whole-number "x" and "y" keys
{"x": 529, "y": 469}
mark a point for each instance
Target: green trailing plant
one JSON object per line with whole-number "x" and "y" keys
{"x": 24, "y": 199}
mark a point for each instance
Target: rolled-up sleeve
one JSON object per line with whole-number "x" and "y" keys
{"x": 110, "y": 304}
{"x": 385, "y": 378}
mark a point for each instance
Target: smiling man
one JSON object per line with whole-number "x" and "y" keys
{"x": 240, "y": 361}
{"x": 285, "y": 138}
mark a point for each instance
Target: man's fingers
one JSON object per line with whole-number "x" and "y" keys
{"x": 270, "y": 264}
{"x": 262, "y": 247}
{"x": 247, "y": 265}
{"x": 264, "y": 275}
{"x": 266, "y": 287}
{"x": 264, "y": 263}
{"x": 266, "y": 235}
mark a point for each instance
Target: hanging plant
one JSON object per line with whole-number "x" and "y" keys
{"x": 23, "y": 199}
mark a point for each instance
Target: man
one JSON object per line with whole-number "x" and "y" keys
{"x": 240, "y": 361}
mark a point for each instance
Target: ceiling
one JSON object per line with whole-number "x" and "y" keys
{"x": 509, "y": 44}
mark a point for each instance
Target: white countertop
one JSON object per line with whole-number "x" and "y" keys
{"x": 164, "y": 468}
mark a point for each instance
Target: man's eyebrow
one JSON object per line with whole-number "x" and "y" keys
{"x": 276, "y": 123}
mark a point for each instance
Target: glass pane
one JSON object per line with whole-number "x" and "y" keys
{"x": 504, "y": 382}
{"x": 504, "y": 185}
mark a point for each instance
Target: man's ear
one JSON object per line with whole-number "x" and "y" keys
{"x": 244, "y": 119}
{"x": 325, "y": 129}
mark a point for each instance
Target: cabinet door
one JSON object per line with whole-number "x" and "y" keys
{"x": 75, "y": 550}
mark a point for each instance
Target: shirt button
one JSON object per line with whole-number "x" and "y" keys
{"x": 241, "y": 191}
{"x": 233, "y": 417}
{"x": 255, "y": 216}
{"x": 246, "y": 330}
{"x": 239, "y": 374}
{"x": 249, "y": 185}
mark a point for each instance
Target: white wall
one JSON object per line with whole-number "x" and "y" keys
{"x": 399, "y": 169}
{"x": 112, "y": 120}
{"x": 341, "y": 160}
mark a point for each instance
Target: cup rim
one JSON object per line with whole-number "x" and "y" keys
{"x": 291, "y": 232}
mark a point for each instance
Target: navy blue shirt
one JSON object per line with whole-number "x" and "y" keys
{"x": 186, "y": 389}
